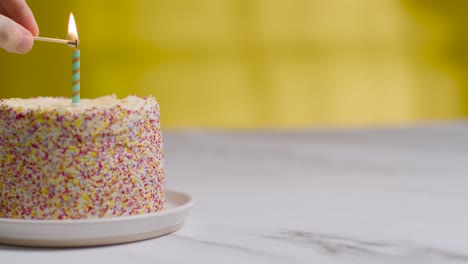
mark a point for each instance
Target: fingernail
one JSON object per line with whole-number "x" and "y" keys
{"x": 26, "y": 44}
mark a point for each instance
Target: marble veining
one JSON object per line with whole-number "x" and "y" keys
{"x": 345, "y": 246}
{"x": 389, "y": 195}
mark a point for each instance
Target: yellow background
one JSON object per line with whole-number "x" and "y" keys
{"x": 258, "y": 63}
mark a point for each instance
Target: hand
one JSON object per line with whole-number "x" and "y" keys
{"x": 17, "y": 26}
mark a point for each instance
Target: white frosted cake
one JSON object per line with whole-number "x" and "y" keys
{"x": 102, "y": 159}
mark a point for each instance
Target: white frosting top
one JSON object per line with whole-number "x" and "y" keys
{"x": 64, "y": 104}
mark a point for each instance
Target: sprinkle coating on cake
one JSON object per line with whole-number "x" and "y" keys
{"x": 102, "y": 159}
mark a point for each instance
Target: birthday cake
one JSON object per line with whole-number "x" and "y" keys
{"x": 99, "y": 160}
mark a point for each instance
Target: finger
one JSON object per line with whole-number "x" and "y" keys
{"x": 19, "y": 11}
{"x": 14, "y": 37}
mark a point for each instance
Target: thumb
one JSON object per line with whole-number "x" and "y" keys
{"x": 14, "y": 37}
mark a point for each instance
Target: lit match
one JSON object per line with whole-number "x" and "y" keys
{"x": 70, "y": 43}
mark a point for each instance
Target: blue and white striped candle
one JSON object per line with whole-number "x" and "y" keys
{"x": 76, "y": 77}
{"x": 73, "y": 37}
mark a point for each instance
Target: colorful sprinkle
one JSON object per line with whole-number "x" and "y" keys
{"x": 103, "y": 159}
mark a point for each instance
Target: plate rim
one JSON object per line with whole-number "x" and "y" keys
{"x": 88, "y": 242}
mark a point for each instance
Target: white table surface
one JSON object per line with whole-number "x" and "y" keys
{"x": 321, "y": 196}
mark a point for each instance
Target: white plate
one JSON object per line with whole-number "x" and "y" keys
{"x": 94, "y": 232}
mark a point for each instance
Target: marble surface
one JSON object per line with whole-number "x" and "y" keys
{"x": 395, "y": 195}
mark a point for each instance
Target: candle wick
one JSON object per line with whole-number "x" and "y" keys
{"x": 73, "y": 44}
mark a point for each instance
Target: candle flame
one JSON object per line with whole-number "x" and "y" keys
{"x": 72, "y": 32}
